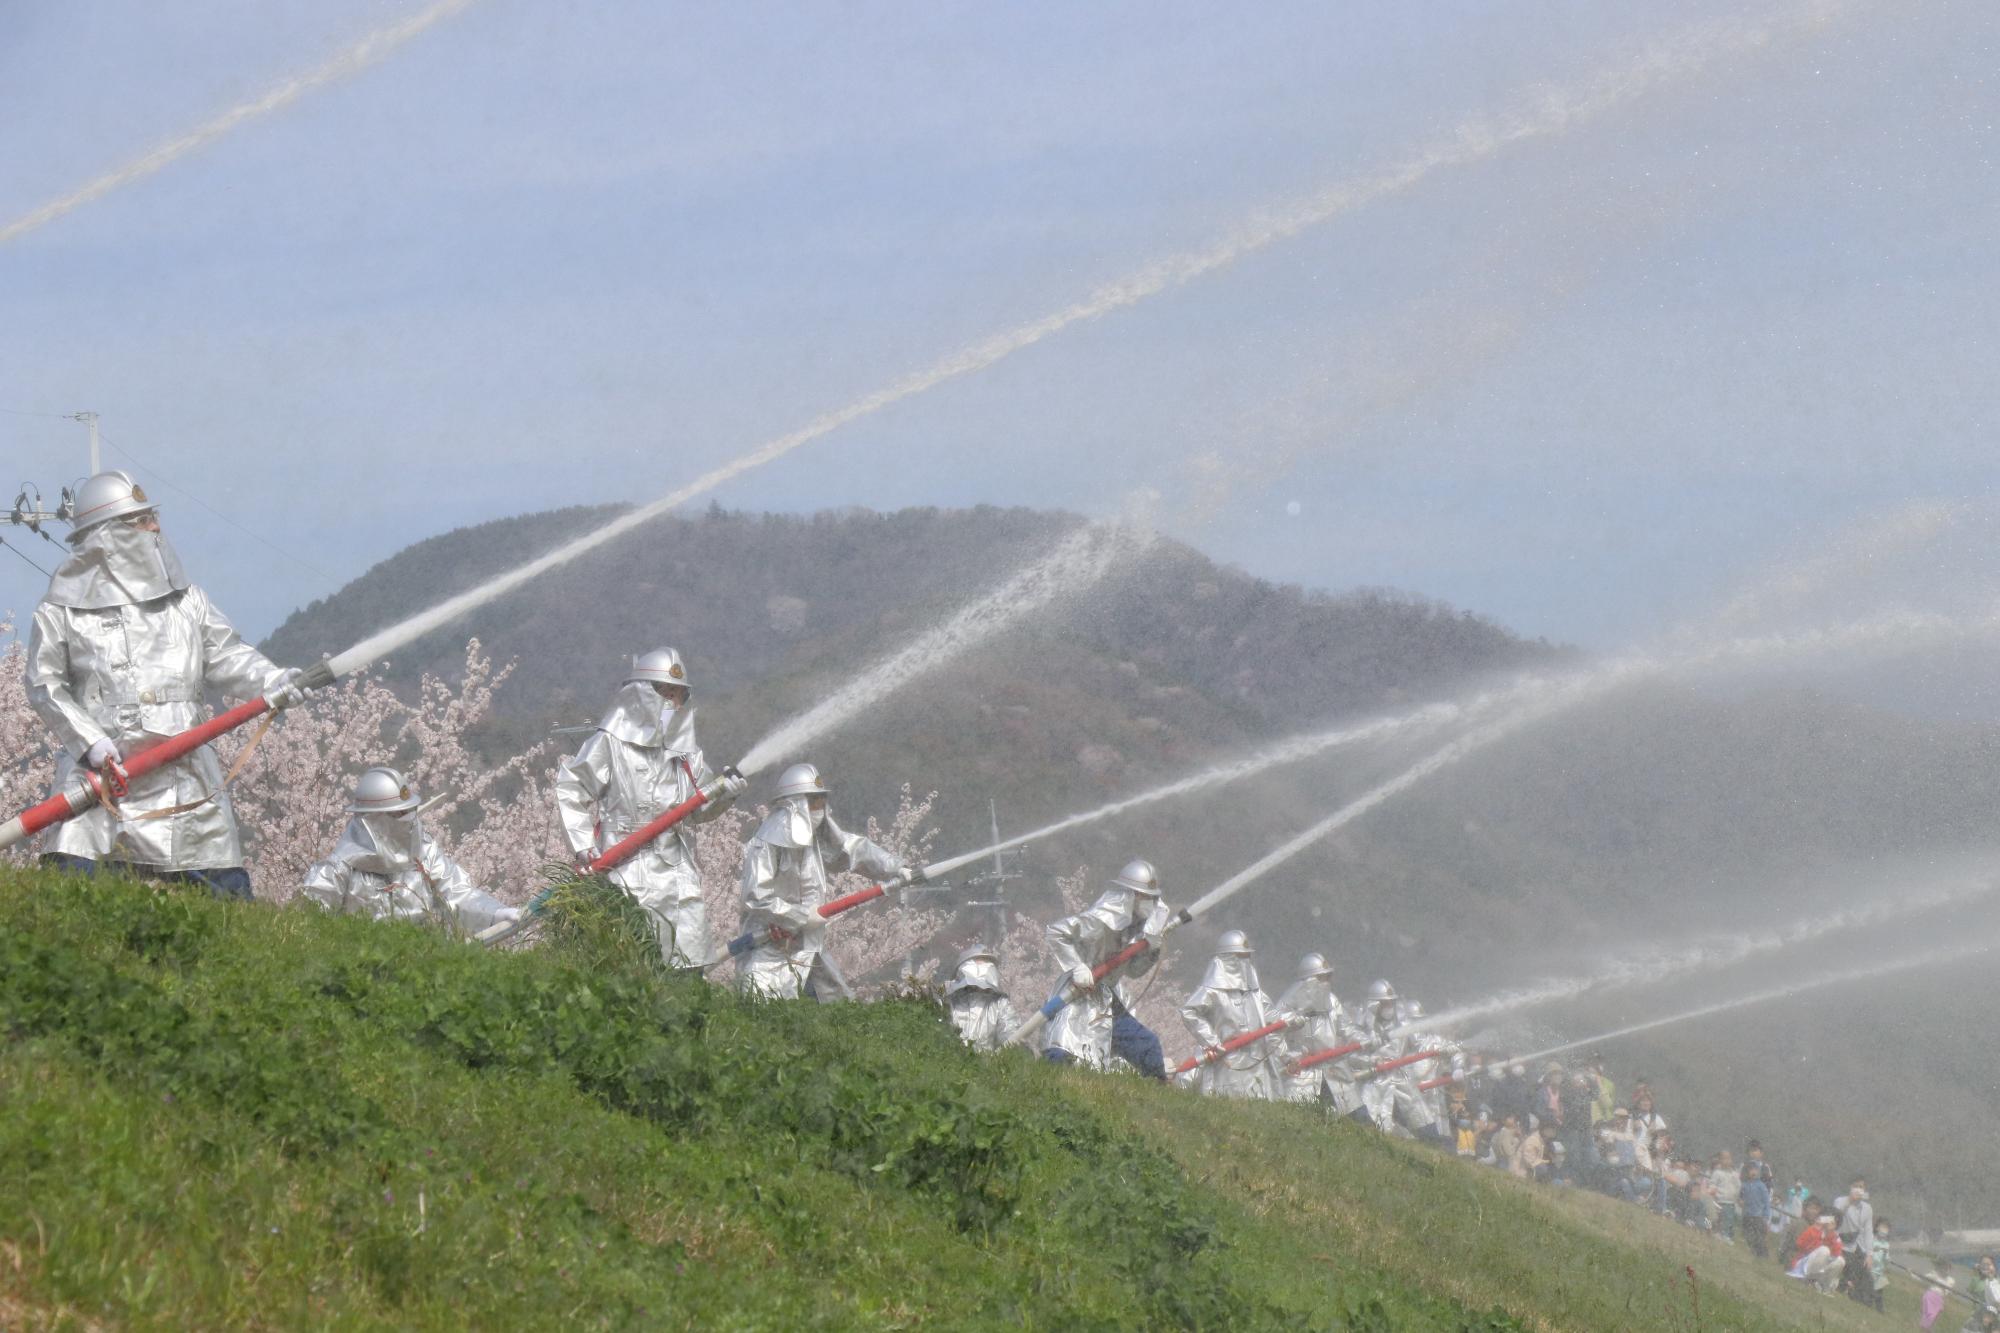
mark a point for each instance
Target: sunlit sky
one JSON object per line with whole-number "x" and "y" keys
{"x": 545, "y": 255}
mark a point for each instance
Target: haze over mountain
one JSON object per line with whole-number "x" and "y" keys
{"x": 1656, "y": 816}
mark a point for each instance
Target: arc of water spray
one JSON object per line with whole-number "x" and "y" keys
{"x": 1652, "y": 967}
{"x": 1079, "y": 560}
{"x": 1551, "y": 111}
{"x": 363, "y": 53}
{"x": 1939, "y": 958}
{"x": 1534, "y": 692}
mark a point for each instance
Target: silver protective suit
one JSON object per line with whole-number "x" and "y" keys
{"x": 389, "y": 867}
{"x": 788, "y": 870}
{"x": 123, "y": 648}
{"x": 980, "y": 1010}
{"x": 1118, "y": 917}
{"x": 1318, "y": 1023}
{"x": 1228, "y": 1003}
{"x": 641, "y": 761}
{"x": 1393, "y": 1097}
{"x": 1451, "y": 1060}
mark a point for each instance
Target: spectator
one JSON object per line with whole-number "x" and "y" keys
{"x": 1816, "y": 1255}
{"x": 1698, "y": 1211}
{"x": 1857, "y": 1231}
{"x": 1537, "y": 1152}
{"x": 1548, "y": 1097}
{"x": 1986, "y": 1282}
{"x": 1558, "y": 1164}
{"x": 1878, "y": 1264}
{"x": 1650, "y": 1122}
{"x": 1725, "y": 1186}
{"x": 1506, "y": 1141}
{"x": 1937, "y": 1282}
{"x": 1754, "y": 1201}
{"x": 1467, "y": 1137}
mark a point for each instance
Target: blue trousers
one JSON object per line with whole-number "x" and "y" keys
{"x": 224, "y": 882}
{"x": 1131, "y": 1041}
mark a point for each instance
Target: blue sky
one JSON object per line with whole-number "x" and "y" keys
{"x": 545, "y": 255}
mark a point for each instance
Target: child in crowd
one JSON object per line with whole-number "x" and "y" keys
{"x": 1753, "y": 1200}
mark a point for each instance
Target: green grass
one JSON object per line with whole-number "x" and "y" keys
{"x": 221, "y": 1116}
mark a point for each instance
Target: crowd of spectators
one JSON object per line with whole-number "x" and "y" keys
{"x": 1571, "y": 1128}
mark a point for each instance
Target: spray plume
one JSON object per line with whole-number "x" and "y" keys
{"x": 375, "y": 46}
{"x": 1537, "y": 695}
{"x": 1650, "y": 967}
{"x": 1549, "y": 112}
{"x": 1079, "y": 560}
{"x": 1938, "y": 958}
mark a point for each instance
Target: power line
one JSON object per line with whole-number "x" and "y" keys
{"x": 51, "y": 416}
{"x": 166, "y": 481}
{"x": 24, "y": 555}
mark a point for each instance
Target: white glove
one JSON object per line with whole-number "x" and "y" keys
{"x": 734, "y": 784}
{"x": 101, "y": 753}
{"x": 509, "y": 915}
{"x": 287, "y": 694}
{"x": 1082, "y": 979}
{"x": 913, "y": 873}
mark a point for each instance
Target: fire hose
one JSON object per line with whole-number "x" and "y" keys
{"x": 93, "y": 788}
{"x": 1305, "y": 1062}
{"x": 1060, "y": 1000}
{"x": 1214, "y": 1053}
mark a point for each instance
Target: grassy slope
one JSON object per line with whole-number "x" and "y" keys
{"x": 214, "y": 1116}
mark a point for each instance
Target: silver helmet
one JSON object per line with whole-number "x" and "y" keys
{"x": 106, "y": 496}
{"x": 1140, "y": 877}
{"x": 1234, "y": 942}
{"x": 1379, "y": 991}
{"x": 800, "y": 780}
{"x": 382, "y": 791}
{"x": 1409, "y": 1011}
{"x": 976, "y": 952}
{"x": 662, "y": 666}
{"x": 1314, "y": 965}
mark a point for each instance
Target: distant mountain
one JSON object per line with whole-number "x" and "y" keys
{"x": 1653, "y": 816}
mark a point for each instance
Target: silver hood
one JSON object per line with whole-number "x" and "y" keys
{"x": 115, "y": 564}
{"x": 1228, "y": 971}
{"x": 379, "y": 844}
{"x": 639, "y": 716}
{"x": 976, "y": 974}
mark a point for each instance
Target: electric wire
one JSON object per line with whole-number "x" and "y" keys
{"x": 186, "y": 494}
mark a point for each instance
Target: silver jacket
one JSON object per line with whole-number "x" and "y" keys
{"x": 1392, "y": 1097}
{"x": 376, "y": 871}
{"x": 788, "y": 870}
{"x": 133, "y": 672}
{"x": 980, "y": 1010}
{"x": 641, "y": 761}
{"x": 1119, "y": 916}
{"x": 1228, "y": 1003}
{"x": 1318, "y": 1023}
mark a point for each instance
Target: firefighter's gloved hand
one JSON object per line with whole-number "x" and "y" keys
{"x": 913, "y": 873}
{"x": 734, "y": 784}
{"x": 508, "y": 915}
{"x": 101, "y": 753}
{"x": 1081, "y": 978}
{"x": 288, "y": 694}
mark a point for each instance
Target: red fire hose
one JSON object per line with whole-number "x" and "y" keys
{"x": 1233, "y": 1044}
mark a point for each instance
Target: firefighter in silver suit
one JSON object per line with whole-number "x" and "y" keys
{"x": 122, "y": 653}
{"x": 642, "y": 760}
{"x": 389, "y": 867}
{"x": 980, "y": 1010}
{"x": 788, "y": 873}
{"x": 1228, "y": 1004}
{"x": 1097, "y": 1023}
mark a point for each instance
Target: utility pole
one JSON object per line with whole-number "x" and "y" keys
{"x": 90, "y": 419}
{"x": 998, "y": 876}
